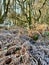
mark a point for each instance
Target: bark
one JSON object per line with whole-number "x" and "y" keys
{"x": 3, "y": 17}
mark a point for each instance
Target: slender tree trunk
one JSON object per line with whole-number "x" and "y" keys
{"x": 3, "y": 17}
{"x": 29, "y": 19}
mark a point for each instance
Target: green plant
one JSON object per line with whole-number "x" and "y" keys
{"x": 46, "y": 33}
{"x": 35, "y": 37}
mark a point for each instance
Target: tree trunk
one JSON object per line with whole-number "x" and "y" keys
{"x": 3, "y": 17}
{"x": 29, "y": 19}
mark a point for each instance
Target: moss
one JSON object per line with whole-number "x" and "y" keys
{"x": 35, "y": 37}
{"x": 46, "y": 33}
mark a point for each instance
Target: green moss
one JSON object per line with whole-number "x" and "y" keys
{"x": 46, "y": 33}
{"x": 35, "y": 37}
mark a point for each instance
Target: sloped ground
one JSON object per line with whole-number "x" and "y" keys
{"x": 17, "y": 48}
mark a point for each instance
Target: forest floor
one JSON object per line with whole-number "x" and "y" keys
{"x": 17, "y": 47}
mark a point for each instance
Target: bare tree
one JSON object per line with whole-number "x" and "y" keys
{"x": 3, "y": 17}
{"x": 27, "y": 7}
{"x": 28, "y": 10}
